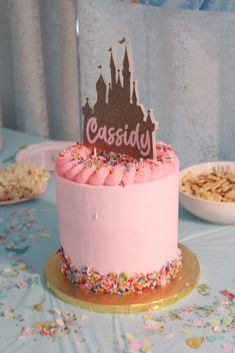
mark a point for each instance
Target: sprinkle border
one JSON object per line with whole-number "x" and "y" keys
{"x": 114, "y": 283}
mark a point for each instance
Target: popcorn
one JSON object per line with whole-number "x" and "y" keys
{"x": 214, "y": 186}
{"x": 21, "y": 180}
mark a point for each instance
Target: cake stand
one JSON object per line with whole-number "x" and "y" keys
{"x": 185, "y": 280}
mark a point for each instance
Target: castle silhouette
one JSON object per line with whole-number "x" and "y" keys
{"x": 117, "y": 104}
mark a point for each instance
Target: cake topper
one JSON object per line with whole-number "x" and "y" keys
{"x": 117, "y": 122}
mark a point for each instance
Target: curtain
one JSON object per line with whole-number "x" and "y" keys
{"x": 39, "y": 88}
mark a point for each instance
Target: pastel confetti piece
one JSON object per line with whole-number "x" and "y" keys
{"x": 229, "y": 347}
{"x": 228, "y": 294}
{"x": 21, "y": 284}
{"x": 71, "y": 322}
{"x": 198, "y": 322}
{"x": 211, "y": 338}
{"x": 37, "y": 307}
{"x": 213, "y": 323}
{"x": 64, "y": 331}
{"x": 221, "y": 309}
{"x": 169, "y": 335}
{"x": 11, "y": 245}
{"x": 218, "y": 329}
{"x": 151, "y": 325}
{"x": 227, "y": 321}
{"x": 220, "y": 336}
{"x": 45, "y": 235}
{"x": 60, "y": 322}
{"x": 135, "y": 344}
{"x": 188, "y": 331}
{"x": 25, "y": 331}
{"x": 9, "y": 272}
{"x": 9, "y": 286}
{"x": 203, "y": 289}
{"x": 129, "y": 336}
{"x": 21, "y": 266}
{"x": 175, "y": 316}
{"x": 117, "y": 349}
{"x": 56, "y": 311}
{"x": 148, "y": 315}
{"x": 186, "y": 309}
{"x": 83, "y": 317}
{"x": 194, "y": 342}
{"x": 69, "y": 315}
{"x": 9, "y": 314}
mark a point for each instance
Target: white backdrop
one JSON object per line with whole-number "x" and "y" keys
{"x": 184, "y": 62}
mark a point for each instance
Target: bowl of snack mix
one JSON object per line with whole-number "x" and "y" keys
{"x": 207, "y": 190}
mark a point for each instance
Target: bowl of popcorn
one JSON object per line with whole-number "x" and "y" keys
{"x": 207, "y": 190}
{"x": 21, "y": 182}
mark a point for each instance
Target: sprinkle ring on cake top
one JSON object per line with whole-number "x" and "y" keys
{"x": 94, "y": 167}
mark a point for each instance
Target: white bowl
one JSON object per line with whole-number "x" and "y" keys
{"x": 212, "y": 211}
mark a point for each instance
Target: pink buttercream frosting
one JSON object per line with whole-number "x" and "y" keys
{"x": 85, "y": 165}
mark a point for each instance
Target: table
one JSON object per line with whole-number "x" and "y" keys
{"x": 33, "y": 319}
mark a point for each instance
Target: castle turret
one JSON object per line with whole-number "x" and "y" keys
{"x": 87, "y": 110}
{"x": 149, "y": 122}
{"x": 109, "y": 93}
{"x": 134, "y": 97}
{"x": 101, "y": 89}
{"x": 113, "y": 70}
{"x": 126, "y": 77}
{"x": 119, "y": 84}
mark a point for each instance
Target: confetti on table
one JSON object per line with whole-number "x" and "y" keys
{"x": 228, "y": 294}
{"x": 83, "y": 317}
{"x": 136, "y": 345}
{"x": 203, "y": 289}
{"x": 229, "y": 347}
{"x": 25, "y": 331}
{"x": 56, "y": 311}
{"x": 194, "y": 342}
{"x": 9, "y": 314}
{"x": 39, "y": 307}
{"x": 153, "y": 325}
{"x": 21, "y": 284}
{"x": 213, "y": 322}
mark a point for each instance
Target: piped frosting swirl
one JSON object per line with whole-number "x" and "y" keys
{"x": 85, "y": 165}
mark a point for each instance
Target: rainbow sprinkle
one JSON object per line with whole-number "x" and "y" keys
{"x": 114, "y": 283}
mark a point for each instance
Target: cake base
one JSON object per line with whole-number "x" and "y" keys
{"x": 154, "y": 299}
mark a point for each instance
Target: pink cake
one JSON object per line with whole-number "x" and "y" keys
{"x": 118, "y": 219}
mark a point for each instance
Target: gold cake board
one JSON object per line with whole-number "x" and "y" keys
{"x": 154, "y": 299}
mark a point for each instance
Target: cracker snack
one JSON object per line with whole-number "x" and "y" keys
{"x": 217, "y": 185}
{"x": 21, "y": 180}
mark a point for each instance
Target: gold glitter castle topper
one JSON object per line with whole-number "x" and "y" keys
{"x": 117, "y": 121}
